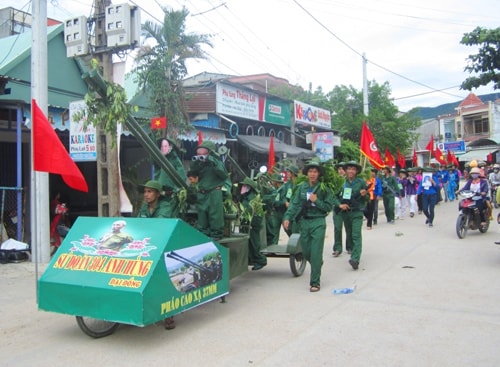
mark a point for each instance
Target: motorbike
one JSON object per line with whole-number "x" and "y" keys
{"x": 469, "y": 216}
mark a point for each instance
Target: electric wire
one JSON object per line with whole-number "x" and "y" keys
{"x": 373, "y": 63}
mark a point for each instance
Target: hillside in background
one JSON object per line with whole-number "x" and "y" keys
{"x": 432, "y": 112}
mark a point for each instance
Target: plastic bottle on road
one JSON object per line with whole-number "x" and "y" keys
{"x": 343, "y": 290}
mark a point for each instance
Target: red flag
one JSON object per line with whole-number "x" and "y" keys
{"x": 271, "y": 159}
{"x": 389, "y": 159}
{"x": 439, "y": 156}
{"x": 401, "y": 160}
{"x": 455, "y": 160}
{"x": 369, "y": 148}
{"x": 49, "y": 154}
{"x": 158, "y": 123}
{"x": 449, "y": 157}
{"x": 200, "y": 137}
{"x": 430, "y": 145}
{"x": 415, "y": 160}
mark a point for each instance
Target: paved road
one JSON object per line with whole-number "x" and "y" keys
{"x": 425, "y": 298}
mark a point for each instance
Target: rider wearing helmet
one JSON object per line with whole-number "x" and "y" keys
{"x": 478, "y": 185}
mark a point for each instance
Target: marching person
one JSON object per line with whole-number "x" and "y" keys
{"x": 389, "y": 190}
{"x": 248, "y": 193}
{"x": 411, "y": 191}
{"x": 373, "y": 193}
{"x": 429, "y": 189}
{"x": 353, "y": 199}
{"x": 337, "y": 219}
{"x": 377, "y": 194}
{"x": 313, "y": 203}
{"x": 275, "y": 210}
{"x": 292, "y": 172}
{"x": 400, "y": 198}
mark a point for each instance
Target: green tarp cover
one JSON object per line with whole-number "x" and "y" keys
{"x": 133, "y": 270}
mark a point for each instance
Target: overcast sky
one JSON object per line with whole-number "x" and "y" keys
{"x": 415, "y": 46}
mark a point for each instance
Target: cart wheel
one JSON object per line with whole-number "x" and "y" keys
{"x": 96, "y": 328}
{"x": 297, "y": 264}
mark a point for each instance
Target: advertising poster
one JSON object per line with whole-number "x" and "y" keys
{"x": 277, "y": 112}
{"x": 310, "y": 115}
{"x": 82, "y": 141}
{"x": 133, "y": 270}
{"x": 235, "y": 101}
{"x": 323, "y": 146}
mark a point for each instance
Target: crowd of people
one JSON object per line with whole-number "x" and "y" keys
{"x": 276, "y": 201}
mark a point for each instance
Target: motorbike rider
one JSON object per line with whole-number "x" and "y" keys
{"x": 478, "y": 185}
{"x": 494, "y": 179}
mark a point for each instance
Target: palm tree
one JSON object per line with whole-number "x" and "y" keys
{"x": 161, "y": 68}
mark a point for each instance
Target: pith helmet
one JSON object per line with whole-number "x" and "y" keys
{"x": 152, "y": 184}
{"x": 353, "y": 164}
{"x": 248, "y": 181}
{"x": 208, "y": 145}
{"x": 294, "y": 169}
{"x": 313, "y": 164}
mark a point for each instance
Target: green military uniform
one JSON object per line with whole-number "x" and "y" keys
{"x": 338, "y": 222}
{"x": 212, "y": 176}
{"x": 161, "y": 210}
{"x": 255, "y": 257}
{"x": 289, "y": 188}
{"x": 169, "y": 184}
{"x": 353, "y": 217}
{"x": 275, "y": 208}
{"x": 313, "y": 224}
{"x": 389, "y": 188}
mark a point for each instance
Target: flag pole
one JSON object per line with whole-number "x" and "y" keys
{"x": 40, "y": 237}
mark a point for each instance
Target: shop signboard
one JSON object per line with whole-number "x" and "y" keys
{"x": 310, "y": 115}
{"x": 234, "y": 101}
{"x": 133, "y": 270}
{"x": 277, "y": 112}
{"x": 82, "y": 140}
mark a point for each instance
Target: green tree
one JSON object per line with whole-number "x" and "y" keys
{"x": 161, "y": 68}
{"x": 486, "y": 63}
{"x": 390, "y": 128}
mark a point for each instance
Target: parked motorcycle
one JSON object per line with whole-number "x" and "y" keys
{"x": 469, "y": 216}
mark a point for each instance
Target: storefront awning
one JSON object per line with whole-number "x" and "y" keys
{"x": 260, "y": 144}
{"x": 477, "y": 154}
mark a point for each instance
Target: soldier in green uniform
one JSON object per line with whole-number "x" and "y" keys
{"x": 389, "y": 190}
{"x": 172, "y": 154}
{"x": 248, "y": 195}
{"x": 351, "y": 203}
{"x": 212, "y": 176}
{"x": 275, "y": 210}
{"x": 313, "y": 203}
{"x": 156, "y": 206}
{"x": 292, "y": 172}
{"x": 338, "y": 219}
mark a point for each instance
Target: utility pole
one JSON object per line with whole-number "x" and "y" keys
{"x": 108, "y": 195}
{"x": 365, "y": 88}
